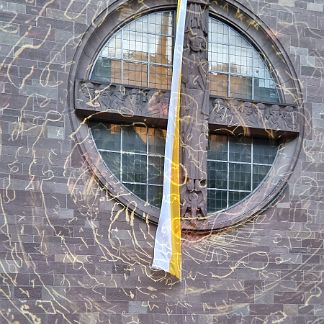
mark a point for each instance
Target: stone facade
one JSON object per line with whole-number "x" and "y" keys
{"x": 71, "y": 253}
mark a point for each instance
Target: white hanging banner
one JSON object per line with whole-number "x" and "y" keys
{"x": 167, "y": 249}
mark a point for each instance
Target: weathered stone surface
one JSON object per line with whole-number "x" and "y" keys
{"x": 116, "y": 102}
{"x": 70, "y": 253}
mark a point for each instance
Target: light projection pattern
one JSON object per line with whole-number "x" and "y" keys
{"x": 71, "y": 253}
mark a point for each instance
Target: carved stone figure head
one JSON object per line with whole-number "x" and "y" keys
{"x": 197, "y": 40}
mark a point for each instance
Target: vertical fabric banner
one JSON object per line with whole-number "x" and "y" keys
{"x": 167, "y": 249}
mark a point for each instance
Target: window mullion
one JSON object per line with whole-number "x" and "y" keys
{"x": 228, "y": 171}
{"x": 252, "y": 150}
{"x": 147, "y": 164}
{"x": 121, "y": 155}
{"x": 229, "y": 64}
{"x": 122, "y": 57}
{"x": 148, "y": 57}
{"x": 252, "y": 79}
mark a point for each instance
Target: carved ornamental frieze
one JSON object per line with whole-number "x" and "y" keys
{"x": 125, "y": 102}
{"x": 121, "y": 100}
{"x": 234, "y": 112}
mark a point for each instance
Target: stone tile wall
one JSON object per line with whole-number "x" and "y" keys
{"x": 70, "y": 253}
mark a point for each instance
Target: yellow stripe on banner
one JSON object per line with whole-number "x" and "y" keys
{"x": 178, "y": 10}
{"x": 175, "y": 262}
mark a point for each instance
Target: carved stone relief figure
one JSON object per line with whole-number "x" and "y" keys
{"x": 87, "y": 93}
{"x": 158, "y": 105}
{"x": 288, "y": 119}
{"x": 273, "y": 115}
{"x": 221, "y": 112}
{"x": 133, "y": 101}
{"x": 250, "y": 114}
{"x": 112, "y": 98}
{"x": 259, "y": 115}
{"x": 195, "y": 113}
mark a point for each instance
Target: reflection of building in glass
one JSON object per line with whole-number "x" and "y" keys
{"x": 140, "y": 54}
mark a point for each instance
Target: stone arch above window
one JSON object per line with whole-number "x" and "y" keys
{"x": 94, "y": 98}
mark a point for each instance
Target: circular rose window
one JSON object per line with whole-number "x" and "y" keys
{"x": 122, "y": 87}
{"x": 140, "y": 54}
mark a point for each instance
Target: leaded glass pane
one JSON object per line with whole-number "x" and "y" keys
{"x": 102, "y": 70}
{"x": 134, "y": 45}
{"x": 217, "y": 147}
{"x": 218, "y": 57}
{"x": 236, "y": 196}
{"x": 139, "y": 189}
{"x": 113, "y": 48}
{"x": 240, "y": 87}
{"x": 134, "y": 139}
{"x": 107, "y": 136}
{"x": 259, "y": 172}
{"x": 139, "y": 54}
{"x": 155, "y": 169}
{"x": 112, "y": 160}
{"x": 264, "y": 90}
{"x": 160, "y": 49}
{"x": 240, "y": 59}
{"x": 240, "y": 149}
{"x": 218, "y": 84}
{"x": 239, "y": 176}
{"x": 264, "y": 151}
{"x": 216, "y": 200}
{"x": 160, "y": 77}
{"x": 115, "y": 75}
{"x": 260, "y": 70}
{"x": 218, "y": 32}
{"x": 134, "y": 168}
{"x": 155, "y": 195}
{"x": 135, "y": 74}
{"x": 156, "y": 141}
{"x": 217, "y": 174}
{"x": 231, "y": 54}
{"x": 135, "y": 155}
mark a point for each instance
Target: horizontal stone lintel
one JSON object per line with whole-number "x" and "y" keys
{"x": 126, "y": 104}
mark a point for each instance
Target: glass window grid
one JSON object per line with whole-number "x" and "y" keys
{"x": 226, "y": 47}
{"x": 230, "y": 191}
{"x": 256, "y": 172}
{"x": 122, "y": 153}
{"x": 145, "y": 34}
{"x": 232, "y": 44}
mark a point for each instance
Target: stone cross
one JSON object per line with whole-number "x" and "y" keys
{"x": 200, "y": 113}
{"x": 194, "y": 112}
